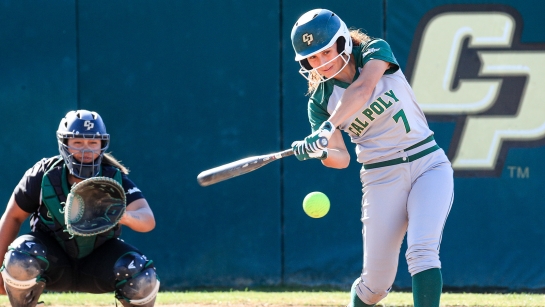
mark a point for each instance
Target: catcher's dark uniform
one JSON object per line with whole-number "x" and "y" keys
{"x": 91, "y": 273}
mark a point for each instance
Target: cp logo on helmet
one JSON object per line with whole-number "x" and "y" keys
{"x": 88, "y": 124}
{"x": 307, "y": 38}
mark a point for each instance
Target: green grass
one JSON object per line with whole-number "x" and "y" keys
{"x": 287, "y": 298}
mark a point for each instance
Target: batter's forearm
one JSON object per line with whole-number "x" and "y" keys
{"x": 353, "y": 99}
{"x": 337, "y": 158}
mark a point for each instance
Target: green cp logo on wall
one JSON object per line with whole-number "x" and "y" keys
{"x": 467, "y": 65}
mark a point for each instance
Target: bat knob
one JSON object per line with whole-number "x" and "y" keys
{"x": 323, "y": 141}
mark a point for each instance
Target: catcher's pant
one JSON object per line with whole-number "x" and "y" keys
{"x": 413, "y": 198}
{"x": 91, "y": 274}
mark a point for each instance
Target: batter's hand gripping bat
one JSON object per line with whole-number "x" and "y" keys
{"x": 243, "y": 166}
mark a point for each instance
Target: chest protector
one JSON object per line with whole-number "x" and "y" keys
{"x": 50, "y": 218}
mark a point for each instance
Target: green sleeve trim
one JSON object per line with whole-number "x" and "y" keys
{"x": 378, "y": 49}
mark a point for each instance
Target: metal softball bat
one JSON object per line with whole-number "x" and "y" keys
{"x": 243, "y": 166}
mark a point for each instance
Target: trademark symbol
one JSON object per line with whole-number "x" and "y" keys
{"x": 519, "y": 172}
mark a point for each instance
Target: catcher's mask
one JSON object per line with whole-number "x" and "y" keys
{"x": 82, "y": 124}
{"x": 315, "y": 31}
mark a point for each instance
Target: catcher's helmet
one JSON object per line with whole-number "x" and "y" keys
{"x": 315, "y": 31}
{"x": 82, "y": 124}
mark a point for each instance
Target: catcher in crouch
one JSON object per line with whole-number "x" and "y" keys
{"x": 51, "y": 258}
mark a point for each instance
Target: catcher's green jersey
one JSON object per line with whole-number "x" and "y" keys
{"x": 389, "y": 121}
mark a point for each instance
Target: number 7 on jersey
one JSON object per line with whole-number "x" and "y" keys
{"x": 401, "y": 115}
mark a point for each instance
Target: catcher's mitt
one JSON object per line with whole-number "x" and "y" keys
{"x": 93, "y": 206}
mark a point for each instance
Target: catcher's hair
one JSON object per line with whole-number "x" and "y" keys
{"x": 110, "y": 160}
{"x": 358, "y": 37}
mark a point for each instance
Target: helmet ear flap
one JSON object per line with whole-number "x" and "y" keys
{"x": 305, "y": 64}
{"x": 341, "y": 41}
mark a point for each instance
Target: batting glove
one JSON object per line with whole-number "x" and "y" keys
{"x": 302, "y": 154}
{"x": 314, "y": 141}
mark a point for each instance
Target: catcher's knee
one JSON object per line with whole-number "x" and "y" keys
{"x": 137, "y": 282}
{"x": 24, "y": 263}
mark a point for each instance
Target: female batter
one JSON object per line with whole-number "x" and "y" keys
{"x": 356, "y": 85}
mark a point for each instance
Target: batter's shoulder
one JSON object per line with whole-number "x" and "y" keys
{"x": 320, "y": 98}
{"x": 373, "y": 44}
{"x": 317, "y": 105}
{"x": 377, "y": 49}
